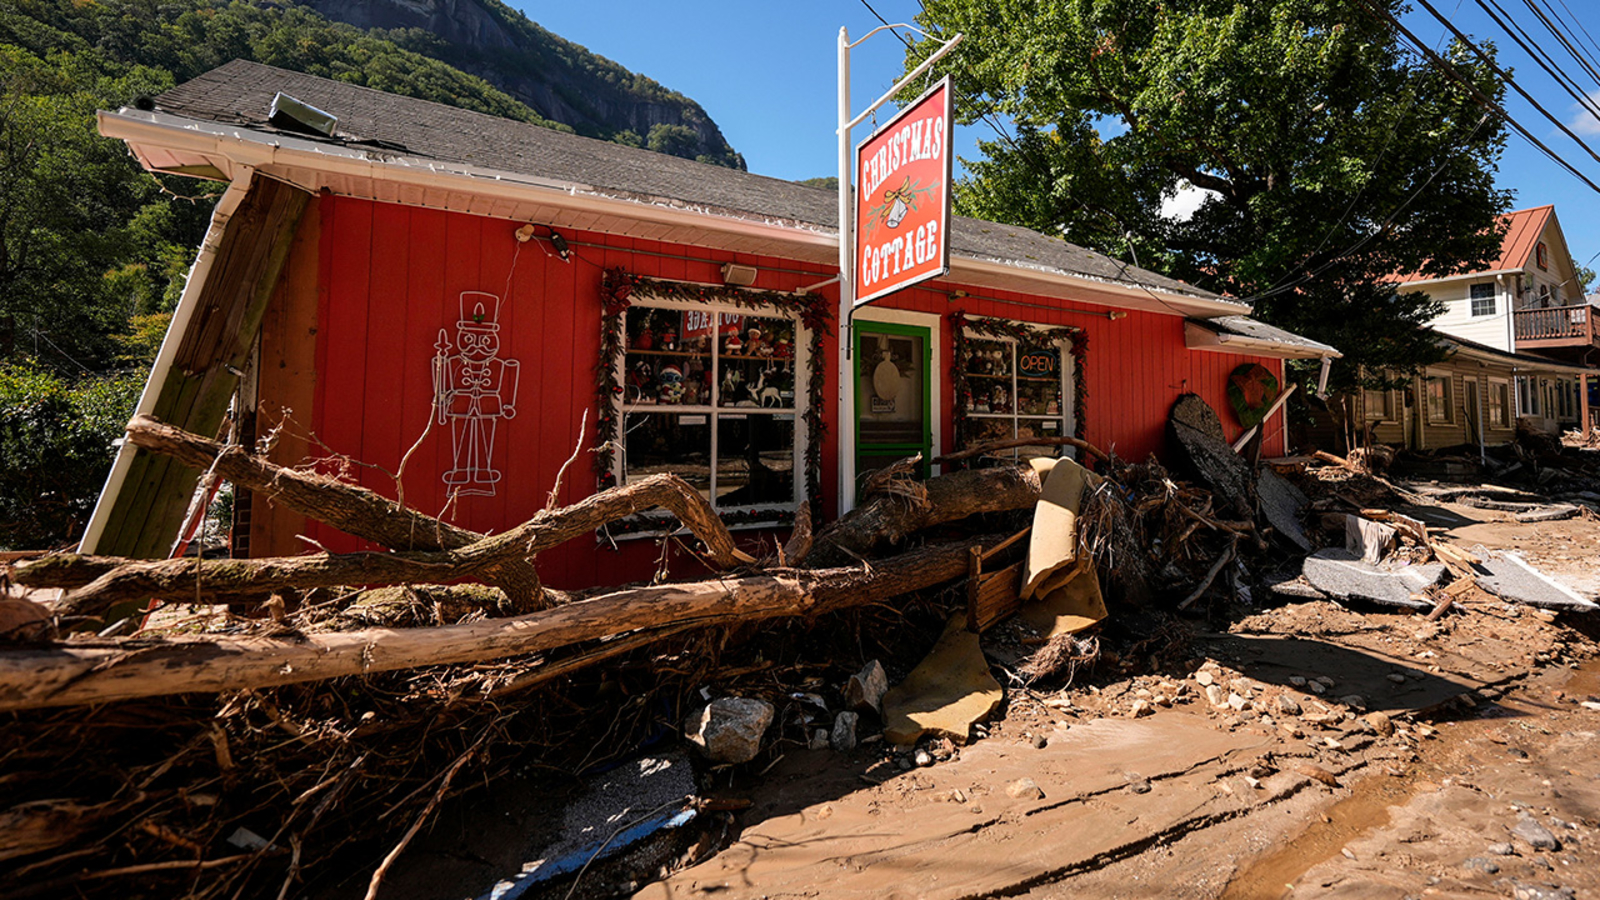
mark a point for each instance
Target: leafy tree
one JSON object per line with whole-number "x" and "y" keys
{"x": 1328, "y": 159}
{"x": 1582, "y": 276}
{"x": 86, "y": 238}
{"x": 673, "y": 140}
{"x": 56, "y": 439}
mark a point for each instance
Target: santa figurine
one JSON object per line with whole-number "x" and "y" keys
{"x": 733, "y": 346}
{"x": 669, "y": 338}
{"x": 753, "y": 342}
{"x": 783, "y": 350}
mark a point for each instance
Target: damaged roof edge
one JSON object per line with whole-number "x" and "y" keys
{"x": 242, "y": 145}
{"x": 1242, "y": 334}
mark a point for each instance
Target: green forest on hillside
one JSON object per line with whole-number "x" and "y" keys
{"x": 93, "y": 249}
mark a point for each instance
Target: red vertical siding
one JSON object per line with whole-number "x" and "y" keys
{"x": 391, "y": 278}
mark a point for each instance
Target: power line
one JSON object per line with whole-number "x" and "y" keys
{"x": 1477, "y": 94}
{"x": 1538, "y": 54}
{"x": 1506, "y": 76}
{"x": 1579, "y": 22}
{"x": 1561, "y": 38}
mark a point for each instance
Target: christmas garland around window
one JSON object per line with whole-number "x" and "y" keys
{"x": 616, "y": 290}
{"x": 1027, "y": 338}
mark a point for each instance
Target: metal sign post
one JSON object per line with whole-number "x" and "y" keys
{"x": 847, "y": 274}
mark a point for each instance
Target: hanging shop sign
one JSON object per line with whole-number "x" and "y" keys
{"x": 902, "y": 206}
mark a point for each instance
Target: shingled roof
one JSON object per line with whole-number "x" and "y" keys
{"x": 382, "y": 124}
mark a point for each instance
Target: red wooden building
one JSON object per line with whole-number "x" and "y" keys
{"x": 463, "y": 296}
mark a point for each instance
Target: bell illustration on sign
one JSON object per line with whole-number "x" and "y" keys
{"x": 473, "y": 389}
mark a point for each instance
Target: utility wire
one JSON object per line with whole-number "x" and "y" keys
{"x": 1487, "y": 103}
{"x": 1579, "y": 23}
{"x": 1538, "y": 55}
{"x": 1561, "y": 38}
{"x": 1506, "y": 76}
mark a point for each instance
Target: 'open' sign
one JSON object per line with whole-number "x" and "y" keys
{"x": 1037, "y": 363}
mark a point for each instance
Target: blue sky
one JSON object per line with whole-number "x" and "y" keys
{"x": 766, "y": 73}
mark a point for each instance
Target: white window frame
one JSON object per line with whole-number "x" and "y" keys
{"x": 1449, "y": 417}
{"x": 1527, "y": 395}
{"x": 712, "y": 410}
{"x": 1385, "y": 410}
{"x": 1066, "y": 374}
{"x": 1500, "y": 390}
{"x": 1473, "y": 301}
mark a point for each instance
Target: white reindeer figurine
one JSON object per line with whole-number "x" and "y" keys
{"x": 761, "y": 392}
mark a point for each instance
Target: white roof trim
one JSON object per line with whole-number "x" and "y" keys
{"x": 1197, "y": 336}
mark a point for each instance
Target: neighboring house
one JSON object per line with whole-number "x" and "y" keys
{"x": 468, "y": 299}
{"x": 1472, "y": 398}
{"x": 1527, "y": 302}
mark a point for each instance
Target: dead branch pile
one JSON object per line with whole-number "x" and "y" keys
{"x": 271, "y": 720}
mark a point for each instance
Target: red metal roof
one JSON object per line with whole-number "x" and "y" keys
{"x": 1523, "y": 229}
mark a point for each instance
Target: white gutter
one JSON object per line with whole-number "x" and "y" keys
{"x": 1402, "y": 285}
{"x": 244, "y": 146}
{"x": 1173, "y": 303}
{"x": 181, "y": 317}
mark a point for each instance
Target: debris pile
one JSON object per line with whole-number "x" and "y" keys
{"x": 257, "y": 727}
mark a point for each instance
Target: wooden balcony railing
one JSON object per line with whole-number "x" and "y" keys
{"x": 1555, "y": 326}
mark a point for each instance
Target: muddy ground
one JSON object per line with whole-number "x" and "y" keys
{"x": 1301, "y": 750}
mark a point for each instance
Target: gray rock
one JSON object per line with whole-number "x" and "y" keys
{"x": 866, "y": 689}
{"x": 818, "y": 740}
{"x": 1510, "y": 578}
{"x": 1501, "y": 849}
{"x": 1479, "y": 864}
{"x": 1281, "y": 503}
{"x": 1354, "y": 701}
{"x": 923, "y": 758}
{"x": 1288, "y": 705}
{"x": 1216, "y": 696}
{"x": 1537, "y": 836}
{"x": 1040, "y": 742}
{"x": 843, "y": 736}
{"x": 1336, "y": 571}
{"x": 729, "y": 729}
{"x": 1521, "y": 890}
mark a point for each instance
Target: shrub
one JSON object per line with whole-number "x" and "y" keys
{"x": 56, "y": 447}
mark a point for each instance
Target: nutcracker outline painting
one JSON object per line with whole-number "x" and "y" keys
{"x": 473, "y": 389}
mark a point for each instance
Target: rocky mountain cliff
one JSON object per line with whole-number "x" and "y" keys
{"x": 560, "y": 80}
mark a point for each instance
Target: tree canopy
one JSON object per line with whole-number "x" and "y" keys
{"x": 1325, "y": 159}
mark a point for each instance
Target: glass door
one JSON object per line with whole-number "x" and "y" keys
{"x": 894, "y": 381}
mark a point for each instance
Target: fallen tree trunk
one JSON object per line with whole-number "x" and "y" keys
{"x": 234, "y": 580}
{"x": 82, "y": 672}
{"x": 889, "y": 519}
{"x": 1012, "y": 443}
{"x": 350, "y": 508}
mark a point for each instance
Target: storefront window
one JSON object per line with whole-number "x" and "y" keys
{"x": 1015, "y": 392}
{"x": 709, "y": 395}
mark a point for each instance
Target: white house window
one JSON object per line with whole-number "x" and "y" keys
{"x": 1437, "y": 390}
{"x": 1527, "y": 396}
{"x": 1380, "y": 405}
{"x": 1499, "y": 403}
{"x": 1566, "y": 399}
{"x": 709, "y": 395}
{"x": 1483, "y": 300}
{"x": 1017, "y": 393}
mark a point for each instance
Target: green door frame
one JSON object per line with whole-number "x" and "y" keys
{"x": 860, "y": 327}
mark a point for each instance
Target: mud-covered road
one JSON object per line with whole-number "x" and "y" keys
{"x": 1308, "y": 751}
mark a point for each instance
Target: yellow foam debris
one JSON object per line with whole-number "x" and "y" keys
{"x": 946, "y": 694}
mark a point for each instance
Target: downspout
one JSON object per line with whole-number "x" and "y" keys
{"x": 181, "y": 317}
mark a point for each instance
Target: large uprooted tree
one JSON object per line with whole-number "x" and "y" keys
{"x": 1325, "y": 158}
